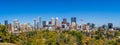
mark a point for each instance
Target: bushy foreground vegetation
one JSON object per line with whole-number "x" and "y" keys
{"x": 42, "y": 37}
{"x": 46, "y": 37}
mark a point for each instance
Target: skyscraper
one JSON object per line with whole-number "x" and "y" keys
{"x": 35, "y": 25}
{"x": 56, "y": 22}
{"x": 38, "y": 25}
{"x": 44, "y": 23}
{"x": 73, "y": 22}
{"x": 49, "y": 22}
{"x": 81, "y": 24}
{"x": 65, "y": 21}
{"x": 110, "y": 25}
{"x": 53, "y": 21}
{"x": 50, "y": 25}
{"x": 93, "y": 25}
{"x": 39, "y": 22}
{"x": 73, "y": 19}
{"x": 16, "y": 25}
{"x": 6, "y": 22}
{"x": 64, "y": 26}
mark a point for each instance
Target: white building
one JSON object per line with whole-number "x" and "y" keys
{"x": 52, "y": 21}
{"x": 16, "y": 25}
{"x": 56, "y": 22}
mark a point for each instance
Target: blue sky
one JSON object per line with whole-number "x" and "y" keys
{"x": 94, "y": 11}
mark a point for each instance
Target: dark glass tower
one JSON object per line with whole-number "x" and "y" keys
{"x": 35, "y": 24}
{"x": 110, "y": 25}
{"x": 65, "y": 21}
{"x": 44, "y": 23}
{"x": 6, "y": 22}
{"x": 73, "y": 19}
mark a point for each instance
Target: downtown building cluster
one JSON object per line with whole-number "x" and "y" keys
{"x": 53, "y": 24}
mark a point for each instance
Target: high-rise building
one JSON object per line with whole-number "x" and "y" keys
{"x": 30, "y": 27}
{"x": 86, "y": 27}
{"x": 6, "y": 22}
{"x": 9, "y": 27}
{"x": 73, "y": 24}
{"x": 44, "y": 23}
{"x": 50, "y": 22}
{"x": 104, "y": 26}
{"x": 56, "y": 22}
{"x": 110, "y": 25}
{"x": 64, "y": 26}
{"x": 93, "y": 25}
{"x": 81, "y": 27}
{"x": 90, "y": 25}
{"x": 38, "y": 26}
{"x": 39, "y": 22}
{"x": 65, "y": 21}
{"x": 53, "y": 21}
{"x": 50, "y": 25}
{"x": 24, "y": 26}
{"x": 16, "y": 25}
{"x": 47, "y": 23}
{"x": 59, "y": 24}
{"x": 68, "y": 24}
{"x": 35, "y": 25}
{"x": 73, "y": 19}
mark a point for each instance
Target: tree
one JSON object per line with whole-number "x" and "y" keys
{"x": 4, "y": 34}
{"x": 78, "y": 36}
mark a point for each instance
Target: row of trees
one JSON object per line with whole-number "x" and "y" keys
{"x": 46, "y": 37}
{"x": 42, "y": 37}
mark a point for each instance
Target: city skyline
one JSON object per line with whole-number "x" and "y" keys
{"x": 98, "y": 12}
{"x": 38, "y": 21}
